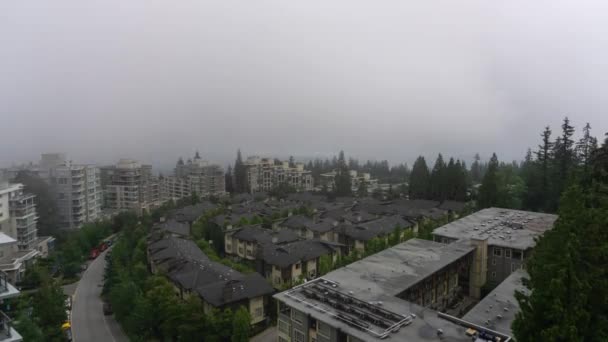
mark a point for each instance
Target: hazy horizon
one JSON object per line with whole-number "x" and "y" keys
{"x": 153, "y": 81}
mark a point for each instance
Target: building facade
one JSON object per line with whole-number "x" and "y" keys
{"x": 263, "y": 174}
{"x": 130, "y": 186}
{"x": 77, "y": 189}
{"x": 194, "y": 176}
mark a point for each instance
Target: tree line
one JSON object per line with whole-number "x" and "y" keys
{"x": 446, "y": 181}
{"x": 568, "y": 277}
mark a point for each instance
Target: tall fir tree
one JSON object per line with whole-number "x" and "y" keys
{"x": 544, "y": 159}
{"x": 419, "y": 180}
{"x": 476, "y": 169}
{"x": 229, "y": 178}
{"x": 240, "y": 174}
{"x": 489, "y": 189}
{"x": 439, "y": 179}
{"x": 342, "y": 179}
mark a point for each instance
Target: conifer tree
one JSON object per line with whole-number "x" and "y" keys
{"x": 419, "y": 180}
{"x": 489, "y": 192}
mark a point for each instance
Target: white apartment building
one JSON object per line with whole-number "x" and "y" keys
{"x": 18, "y": 233}
{"x": 7, "y": 290}
{"x": 77, "y": 189}
{"x": 195, "y": 175}
{"x": 129, "y": 185}
{"x": 263, "y": 175}
{"x": 356, "y": 178}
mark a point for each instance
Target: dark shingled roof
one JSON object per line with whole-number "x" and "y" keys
{"x": 230, "y": 291}
{"x": 174, "y": 227}
{"x": 192, "y": 270}
{"x": 303, "y": 250}
{"x": 416, "y": 204}
{"x": 323, "y": 226}
{"x": 369, "y": 230}
{"x": 358, "y": 216}
{"x": 173, "y": 248}
{"x": 192, "y": 213}
{"x": 264, "y": 236}
{"x": 297, "y": 222}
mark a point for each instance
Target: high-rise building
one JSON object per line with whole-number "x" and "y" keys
{"x": 77, "y": 189}
{"x": 18, "y": 233}
{"x": 194, "y": 176}
{"x": 263, "y": 174}
{"x": 129, "y": 185}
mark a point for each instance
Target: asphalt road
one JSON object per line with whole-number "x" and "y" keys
{"x": 88, "y": 321}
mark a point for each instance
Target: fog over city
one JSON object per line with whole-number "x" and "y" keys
{"x": 155, "y": 80}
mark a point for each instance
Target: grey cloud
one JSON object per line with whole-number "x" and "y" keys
{"x": 155, "y": 79}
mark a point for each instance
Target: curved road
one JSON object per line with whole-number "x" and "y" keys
{"x": 88, "y": 321}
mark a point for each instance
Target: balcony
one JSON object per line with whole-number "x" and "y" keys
{"x": 7, "y": 333}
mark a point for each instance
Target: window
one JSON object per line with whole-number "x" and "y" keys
{"x": 259, "y": 312}
{"x": 282, "y": 339}
{"x": 513, "y": 267}
{"x": 497, "y": 251}
{"x": 507, "y": 253}
{"x": 298, "y": 336}
{"x": 493, "y": 275}
{"x": 297, "y": 266}
{"x": 517, "y": 254}
{"x": 284, "y": 327}
{"x": 249, "y": 253}
{"x": 493, "y": 261}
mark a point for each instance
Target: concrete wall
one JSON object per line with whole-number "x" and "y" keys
{"x": 502, "y": 262}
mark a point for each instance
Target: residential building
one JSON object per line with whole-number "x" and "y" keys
{"x": 248, "y": 242}
{"x": 77, "y": 189}
{"x": 7, "y": 290}
{"x": 129, "y": 185}
{"x": 390, "y": 294}
{"x": 19, "y": 242}
{"x": 356, "y": 236}
{"x": 263, "y": 174}
{"x": 327, "y": 180}
{"x": 509, "y": 236}
{"x": 497, "y": 310}
{"x": 286, "y": 264}
{"x": 194, "y": 176}
{"x": 219, "y": 287}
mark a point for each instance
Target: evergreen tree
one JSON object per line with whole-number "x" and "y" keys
{"x": 439, "y": 179}
{"x": 419, "y": 180}
{"x": 240, "y": 174}
{"x": 362, "y": 190}
{"x": 229, "y": 180}
{"x": 292, "y": 162}
{"x": 564, "y": 160}
{"x": 197, "y": 155}
{"x": 530, "y": 173}
{"x": 489, "y": 192}
{"x": 241, "y": 325}
{"x": 544, "y": 158}
{"x": 342, "y": 179}
{"x": 585, "y": 148}
{"x": 476, "y": 169}
{"x": 568, "y": 277}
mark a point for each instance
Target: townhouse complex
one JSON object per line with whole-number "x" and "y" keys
{"x": 263, "y": 174}
{"x": 422, "y": 290}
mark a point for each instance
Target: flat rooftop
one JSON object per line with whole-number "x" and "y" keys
{"x": 502, "y": 227}
{"x": 497, "y": 310}
{"x": 361, "y": 298}
{"x": 368, "y": 321}
{"x": 393, "y": 270}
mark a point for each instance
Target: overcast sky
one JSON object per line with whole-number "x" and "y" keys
{"x": 152, "y": 80}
